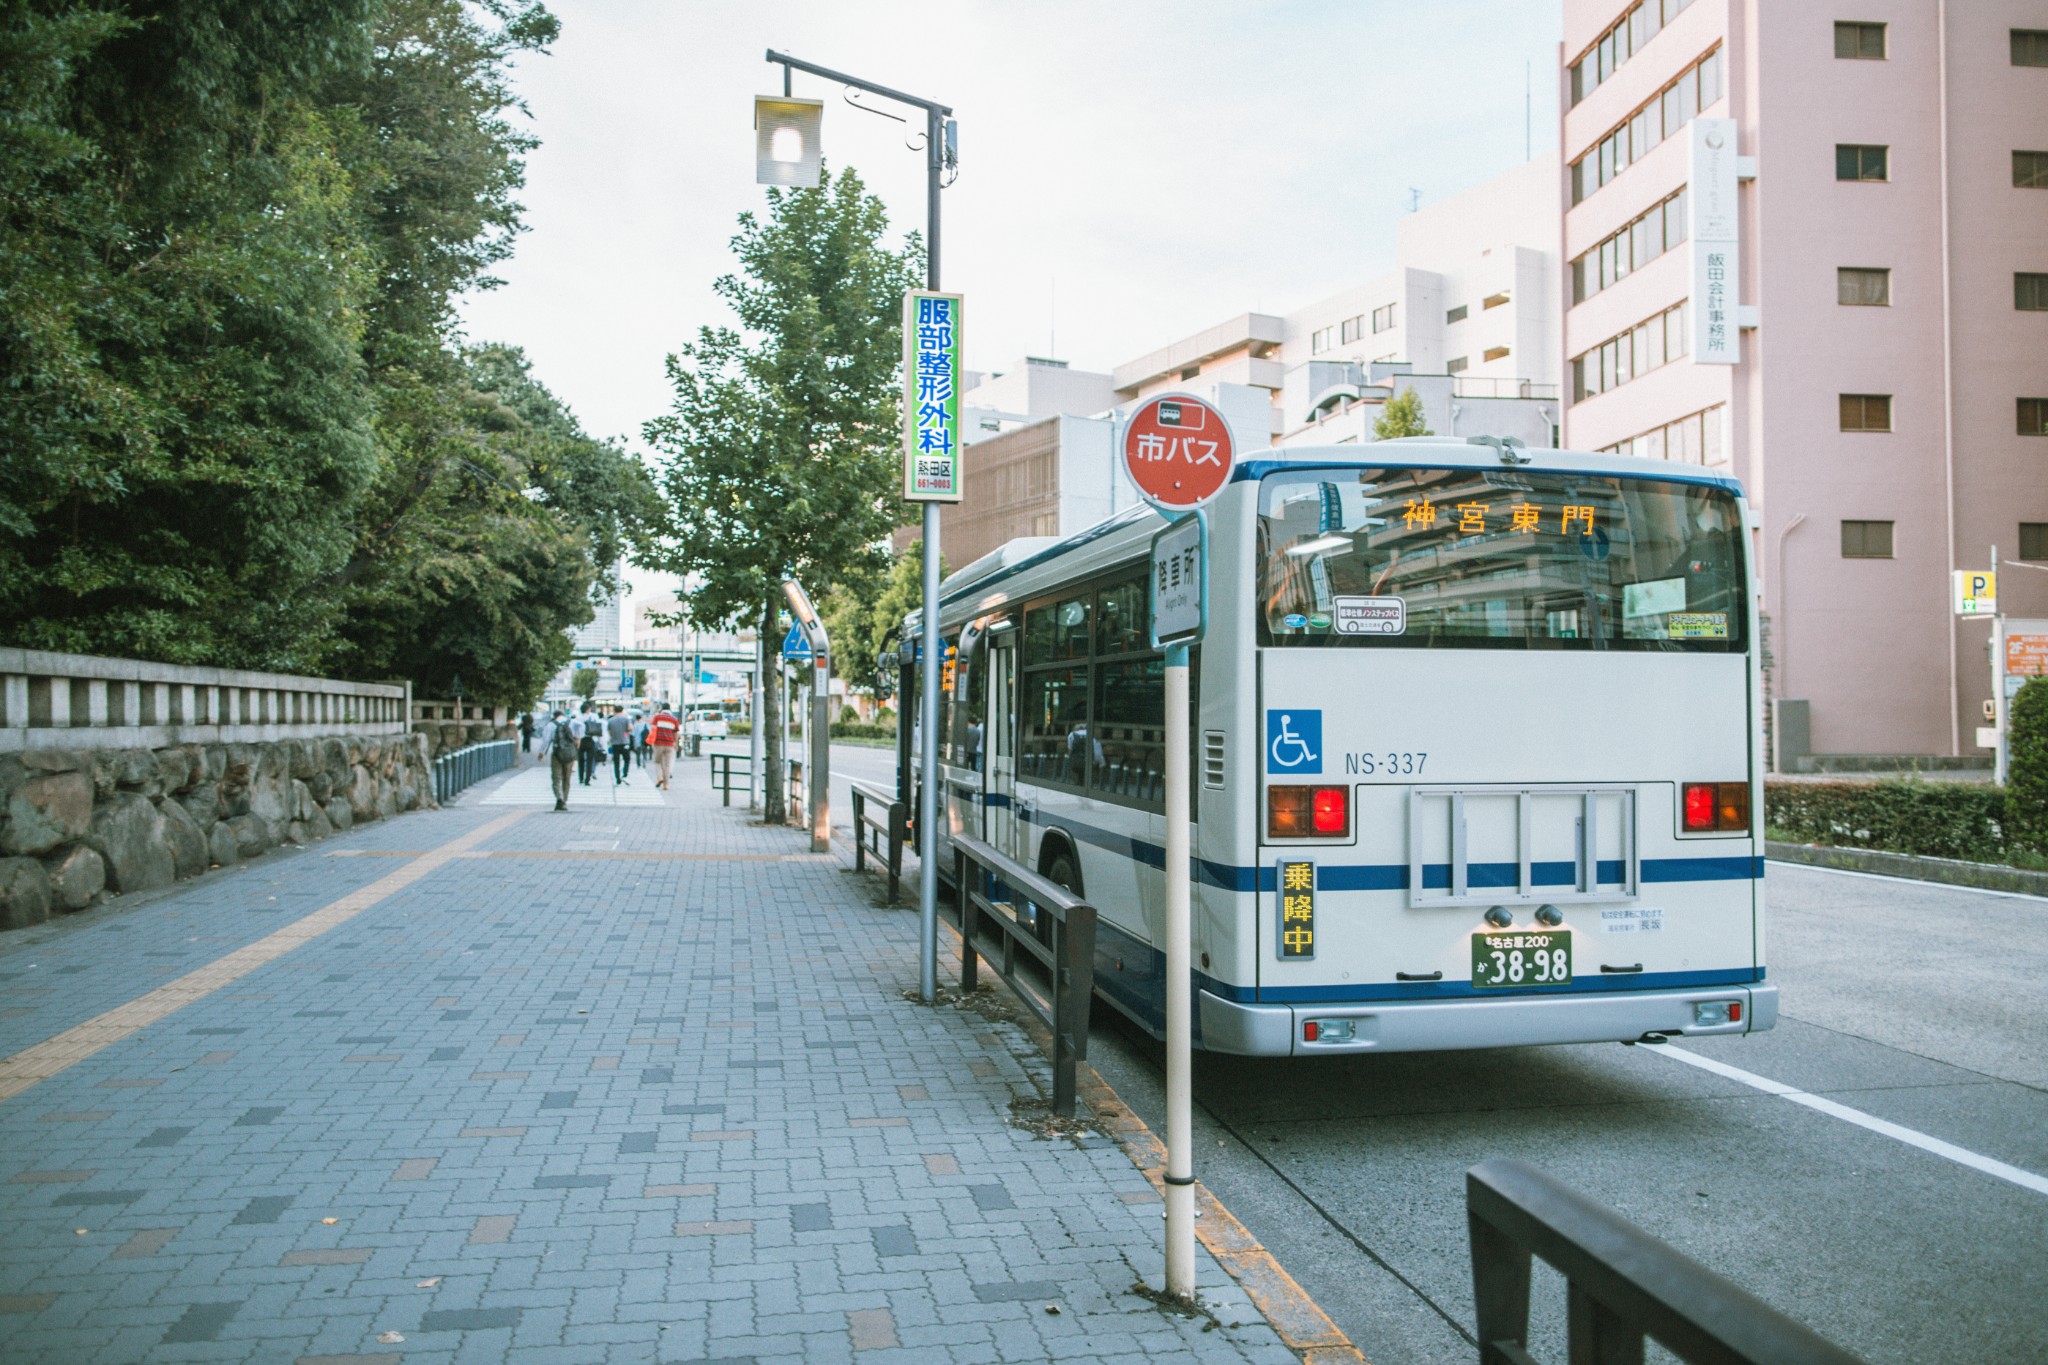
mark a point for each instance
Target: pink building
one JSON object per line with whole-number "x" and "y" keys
{"x": 1809, "y": 243}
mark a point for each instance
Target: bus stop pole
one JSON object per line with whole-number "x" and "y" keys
{"x": 928, "y": 760}
{"x": 1180, "y": 1179}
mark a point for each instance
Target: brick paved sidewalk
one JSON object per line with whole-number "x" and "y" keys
{"x": 636, "y": 1082}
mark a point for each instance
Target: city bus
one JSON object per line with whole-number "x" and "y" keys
{"x": 1475, "y": 747}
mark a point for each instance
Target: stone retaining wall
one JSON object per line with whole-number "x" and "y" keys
{"x": 77, "y": 825}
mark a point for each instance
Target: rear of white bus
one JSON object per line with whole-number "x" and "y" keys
{"x": 1510, "y": 790}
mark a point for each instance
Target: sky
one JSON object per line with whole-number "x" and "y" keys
{"x": 1130, "y": 171}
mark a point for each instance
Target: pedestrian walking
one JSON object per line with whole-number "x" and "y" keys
{"x": 560, "y": 741}
{"x": 661, "y": 736}
{"x": 526, "y": 732}
{"x": 618, "y": 732}
{"x": 590, "y": 746}
{"x": 640, "y": 750}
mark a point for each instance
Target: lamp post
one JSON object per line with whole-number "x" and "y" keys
{"x": 784, "y": 162}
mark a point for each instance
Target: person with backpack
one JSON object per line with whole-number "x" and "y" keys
{"x": 590, "y": 731}
{"x": 618, "y": 733}
{"x": 560, "y": 740}
{"x": 661, "y": 735}
{"x": 526, "y": 732}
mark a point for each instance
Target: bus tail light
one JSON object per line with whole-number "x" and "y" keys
{"x": 1716, "y": 807}
{"x": 1307, "y": 812}
{"x": 1714, "y": 1013}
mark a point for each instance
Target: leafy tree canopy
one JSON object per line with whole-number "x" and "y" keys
{"x": 1402, "y": 416}
{"x": 240, "y": 430}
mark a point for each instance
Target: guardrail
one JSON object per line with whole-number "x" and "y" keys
{"x": 723, "y": 779}
{"x": 996, "y": 930}
{"x": 455, "y": 772}
{"x": 893, "y": 827}
{"x": 1622, "y": 1284}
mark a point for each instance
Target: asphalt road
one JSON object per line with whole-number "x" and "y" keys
{"x": 1915, "y": 1005}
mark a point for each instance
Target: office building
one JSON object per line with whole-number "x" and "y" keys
{"x": 1808, "y": 245}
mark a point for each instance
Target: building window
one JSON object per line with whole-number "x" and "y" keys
{"x": 1636, "y": 26}
{"x": 1644, "y": 347}
{"x": 1383, "y": 318}
{"x": 1863, "y": 287}
{"x": 2030, "y": 47}
{"x": 1493, "y": 353}
{"x": 1320, "y": 341}
{"x": 2034, "y": 416}
{"x": 2030, "y": 170}
{"x": 1698, "y": 86}
{"x": 1354, "y": 328}
{"x": 2030, "y": 292}
{"x": 1866, "y": 412}
{"x": 1854, "y": 161}
{"x": 1633, "y": 247}
{"x": 1866, "y": 540}
{"x": 1494, "y": 300}
{"x": 1861, "y": 41}
{"x": 2034, "y": 540}
{"x": 1191, "y": 372}
{"x": 1457, "y": 366}
{"x": 1455, "y": 315}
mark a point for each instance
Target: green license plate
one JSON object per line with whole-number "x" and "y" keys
{"x": 1541, "y": 957}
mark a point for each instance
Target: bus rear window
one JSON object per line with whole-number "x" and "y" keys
{"x": 1498, "y": 559}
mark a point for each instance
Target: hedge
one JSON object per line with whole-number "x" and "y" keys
{"x": 1931, "y": 819}
{"x": 2026, "y": 720}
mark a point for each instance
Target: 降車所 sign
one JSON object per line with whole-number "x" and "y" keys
{"x": 1177, "y": 583}
{"x": 931, "y": 397}
{"x": 1178, "y": 451}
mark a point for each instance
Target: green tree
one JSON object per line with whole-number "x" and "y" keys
{"x": 239, "y": 429}
{"x": 864, "y": 616}
{"x": 583, "y": 682}
{"x": 498, "y": 523}
{"x": 779, "y": 452}
{"x": 1401, "y": 416}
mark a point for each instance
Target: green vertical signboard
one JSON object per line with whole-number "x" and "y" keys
{"x": 931, "y": 397}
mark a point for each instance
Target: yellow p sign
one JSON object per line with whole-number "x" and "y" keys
{"x": 1976, "y": 593}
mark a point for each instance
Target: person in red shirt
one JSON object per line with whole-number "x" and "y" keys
{"x": 662, "y": 730}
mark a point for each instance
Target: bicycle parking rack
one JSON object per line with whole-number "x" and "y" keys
{"x": 1622, "y": 1284}
{"x": 469, "y": 765}
{"x": 996, "y": 930}
{"x": 892, "y": 828}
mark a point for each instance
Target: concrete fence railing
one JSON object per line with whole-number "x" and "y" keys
{"x": 465, "y": 713}
{"x": 80, "y": 701}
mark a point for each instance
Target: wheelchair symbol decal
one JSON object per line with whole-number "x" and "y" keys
{"x": 1294, "y": 741}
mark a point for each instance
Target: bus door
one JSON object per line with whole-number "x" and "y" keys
{"x": 1000, "y": 826}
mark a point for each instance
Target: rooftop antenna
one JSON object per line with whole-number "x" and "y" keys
{"x": 1414, "y": 199}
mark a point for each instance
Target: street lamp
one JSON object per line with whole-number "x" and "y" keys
{"x": 941, "y": 149}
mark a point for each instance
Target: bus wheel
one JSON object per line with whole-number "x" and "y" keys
{"x": 1064, "y": 873}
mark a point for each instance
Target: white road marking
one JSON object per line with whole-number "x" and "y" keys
{"x": 1909, "y": 881}
{"x": 1962, "y": 1156}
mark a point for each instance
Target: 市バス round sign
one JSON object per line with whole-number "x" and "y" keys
{"x": 1178, "y": 451}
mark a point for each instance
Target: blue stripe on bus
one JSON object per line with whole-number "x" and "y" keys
{"x": 1394, "y": 876}
{"x": 1465, "y": 990}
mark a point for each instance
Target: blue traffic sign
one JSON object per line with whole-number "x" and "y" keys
{"x": 796, "y": 645}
